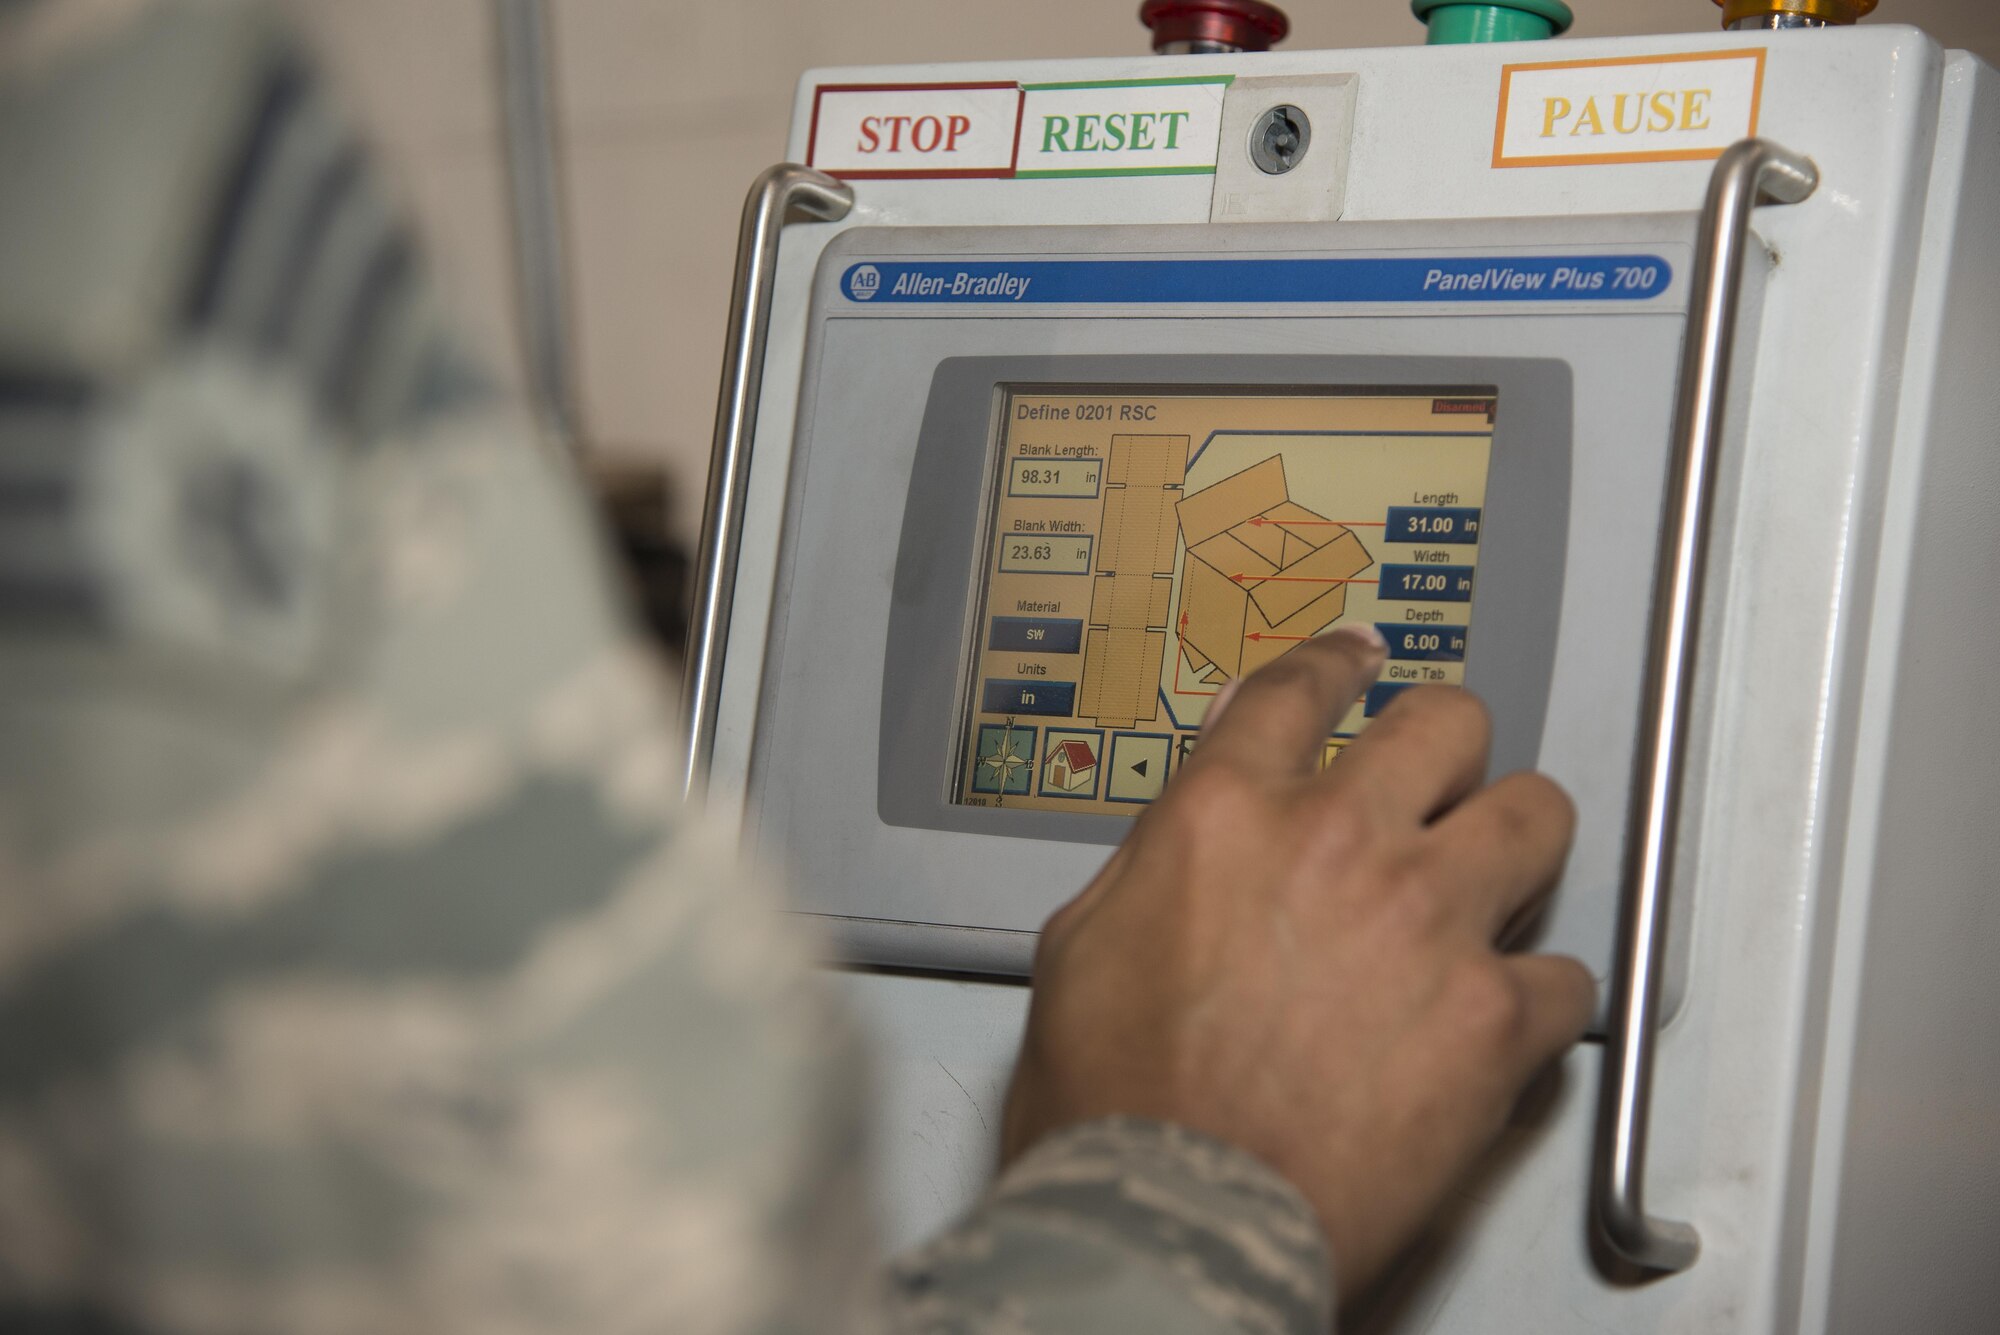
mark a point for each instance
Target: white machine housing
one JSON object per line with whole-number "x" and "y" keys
{"x": 1824, "y": 1109}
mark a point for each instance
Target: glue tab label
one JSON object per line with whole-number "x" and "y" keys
{"x": 871, "y": 131}
{"x": 1673, "y": 108}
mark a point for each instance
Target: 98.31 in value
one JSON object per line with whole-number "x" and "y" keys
{"x": 1076, "y": 478}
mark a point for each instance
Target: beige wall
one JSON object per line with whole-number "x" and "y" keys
{"x": 669, "y": 107}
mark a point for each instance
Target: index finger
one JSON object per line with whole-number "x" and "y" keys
{"x": 1279, "y": 717}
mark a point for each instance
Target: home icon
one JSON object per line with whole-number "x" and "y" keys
{"x": 1071, "y": 766}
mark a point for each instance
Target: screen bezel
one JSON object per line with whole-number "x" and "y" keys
{"x": 940, "y": 560}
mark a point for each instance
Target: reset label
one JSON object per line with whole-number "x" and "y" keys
{"x": 1121, "y": 129}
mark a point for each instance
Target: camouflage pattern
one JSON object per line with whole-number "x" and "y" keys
{"x": 359, "y": 969}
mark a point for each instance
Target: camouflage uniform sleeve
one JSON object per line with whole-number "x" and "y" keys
{"x": 1126, "y": 1225}
{"x": 359, "y": 967}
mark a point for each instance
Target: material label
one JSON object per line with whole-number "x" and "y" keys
{"x": 1158, "y": 127}
{"x": 1674, "y": 108}
{"x": 877, "y": 131}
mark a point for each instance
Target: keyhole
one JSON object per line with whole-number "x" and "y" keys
{"x": 1278, "y": 141}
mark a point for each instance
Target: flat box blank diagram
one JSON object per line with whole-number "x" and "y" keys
{"x": 1132, "y": 598}
{"x": 1258, "y": 564}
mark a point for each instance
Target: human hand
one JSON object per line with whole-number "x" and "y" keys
{"x": 1304, "y": 963}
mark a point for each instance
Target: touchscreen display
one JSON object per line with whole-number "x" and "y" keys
{"x": 1144, "y": 547}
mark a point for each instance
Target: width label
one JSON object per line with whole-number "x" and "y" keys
{"x": 1676, "y": 108}
{"x": 1150, "y": 127}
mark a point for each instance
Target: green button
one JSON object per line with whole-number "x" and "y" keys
{"x": 1456, "y": 22}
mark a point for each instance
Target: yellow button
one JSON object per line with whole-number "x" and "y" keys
{"x": 1826, "y": 11}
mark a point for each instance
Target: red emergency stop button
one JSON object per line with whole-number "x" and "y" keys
{"x": 1196, "y": 27}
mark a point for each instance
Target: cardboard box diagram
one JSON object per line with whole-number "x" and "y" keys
{"x": 1258, "y": 565}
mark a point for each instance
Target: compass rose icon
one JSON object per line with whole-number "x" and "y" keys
{"x": 1006, "y": 759}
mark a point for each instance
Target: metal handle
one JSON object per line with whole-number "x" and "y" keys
{"x": 780, "y": 193}
{"x": 1748, "y": 173}
{"x": 539, "y": 269}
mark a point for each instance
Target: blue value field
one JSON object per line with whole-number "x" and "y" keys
{"x": 1056, "y": 699}
{"x": 1440, "y": 524}
{"x": 1425, "y": 584}
{"x": 1035, "y": 635}
{"x": 1430, "y": 644}
{"x": 1379, "y": 696}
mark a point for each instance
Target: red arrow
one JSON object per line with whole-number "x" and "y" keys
{"x": 1258, "y": 635}
{"x": 1260, "y": 521}
{"x": 1299, "y": 579}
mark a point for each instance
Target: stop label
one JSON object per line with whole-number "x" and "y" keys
{"x": 865, "y": 131}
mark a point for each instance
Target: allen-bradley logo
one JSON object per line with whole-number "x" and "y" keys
{"x": 863, "y": 282}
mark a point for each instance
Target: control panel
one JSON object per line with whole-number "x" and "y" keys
{"x": 1046, "y": 503}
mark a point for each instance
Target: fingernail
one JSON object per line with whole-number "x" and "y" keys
{"x": 1365, "y": 632}
{"x": 1220, "y": 702}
